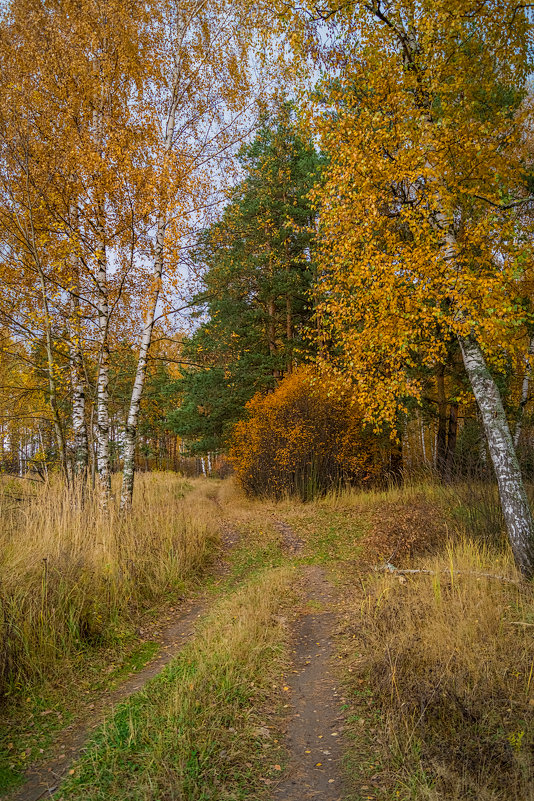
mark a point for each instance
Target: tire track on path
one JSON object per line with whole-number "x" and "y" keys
{"x": 314, "y": 729}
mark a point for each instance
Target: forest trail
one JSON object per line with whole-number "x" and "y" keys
{"x": 42, "y": 780}
{"x": 315, "y": 723}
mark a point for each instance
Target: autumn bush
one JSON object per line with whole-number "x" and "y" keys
{"x": 303, "y": 439}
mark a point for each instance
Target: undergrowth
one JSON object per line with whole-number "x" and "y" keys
{"x": 438, "y": 664}
{"x": 75, "y": 584}
{"x": 73, "y": 576}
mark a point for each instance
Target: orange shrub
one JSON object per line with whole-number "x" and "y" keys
{"x": 302, "y": 440}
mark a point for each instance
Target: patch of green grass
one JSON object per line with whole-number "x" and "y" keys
{"x": 254, "y": 551}
{"x": 200, "y": 730}
{"x": 29, "y": 728}
{"x": 135, "y": 661}
{"x": 330, "y": 536}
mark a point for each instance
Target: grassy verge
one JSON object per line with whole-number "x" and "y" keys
{"x": 75, "y": 585}
{"x": 438, "y": 666}
{"x": 446, "y": 668}
{"x": 203, "y": 728}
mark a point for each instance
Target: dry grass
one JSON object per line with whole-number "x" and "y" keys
{"x": 444, "y": 676}
{"x": 73, "y": 576}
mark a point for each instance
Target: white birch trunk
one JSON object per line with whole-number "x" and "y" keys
{"x": 514, "y": 501}
{"x": 103, "y": 467}
{"x": 102, "y": 388}
{"x": 423, "y": 446}
{"x": 524, "y": 392}
{"x": 79, "y": 426}
{"x": 512, "y": 493}
{"x": 130, "y": 433}
{"x": 45, "y": 466}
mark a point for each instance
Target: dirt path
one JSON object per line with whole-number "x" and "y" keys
{"x": 42, "y": 780}
{"x": 291, "y": 543}
{"x": 315, "y": 725}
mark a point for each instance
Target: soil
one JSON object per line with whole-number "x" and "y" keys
{"x": 315, "y": 725}
{"x": 291, "y": 543}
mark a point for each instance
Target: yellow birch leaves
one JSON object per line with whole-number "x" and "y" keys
{"x": 423, "y": 128}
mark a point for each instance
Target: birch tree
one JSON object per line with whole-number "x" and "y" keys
{"x": 201, "y": 98}
{"x": 72, "y": 95}
{"x": 420, "y": 209}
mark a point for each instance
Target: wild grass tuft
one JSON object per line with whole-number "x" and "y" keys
{"x": 73, "y": 576}
{"x": 447, "y": 659}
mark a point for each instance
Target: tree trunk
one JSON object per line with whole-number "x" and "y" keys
{"x": 102, "y": 388}
{"x": 451, "y": 441}
{"x": 130, "y": 433}
{"x": 79, "y": 426}
{"x": 52, "y": 388}
{"x": 441, "y": 441}
{"x": 422, "y": 433}
{"x": 289, "y": 333}
{"x": 512, "y": 493}
{"x": 396, "y": 460}
{"x": 271, "y": 331}
{"x": 524, "y": 393}
{"x": 289, "y": 307}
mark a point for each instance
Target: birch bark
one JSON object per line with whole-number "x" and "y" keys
{"x": 524, "y": 393}
{"x": 514, "y": 499}
{"x": 512, "y": 493}
{"x": 102, "y": 388}
{"x": 79, "y": 426}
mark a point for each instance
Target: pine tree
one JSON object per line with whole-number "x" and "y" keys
{"x": 257, "y": 269}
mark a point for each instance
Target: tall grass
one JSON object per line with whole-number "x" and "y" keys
{"x": 74, "y": 576}
{"x": 447, "y": 659}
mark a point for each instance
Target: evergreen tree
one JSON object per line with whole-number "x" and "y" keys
{"x": 256, "y": 268}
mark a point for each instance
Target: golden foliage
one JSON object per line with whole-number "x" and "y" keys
{"x": 303, "y": 439}
{"x": 422, "y": 233}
